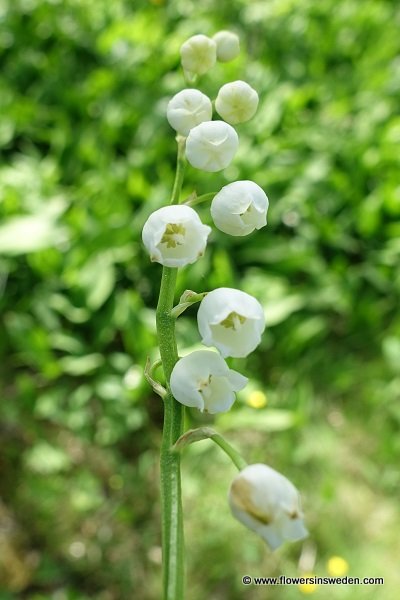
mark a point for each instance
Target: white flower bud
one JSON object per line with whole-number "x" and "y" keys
{"x": 228, "y": 46}
{"x": 232, "y": 321}
{"x": 203, "y": 380}
{"x": 187, "y": 109}
{"x": 198, "y": 54}
{"x": 267, "y": 503}
{"x": 174, "y": 236}
{"x": 236, "y": 102}
{"x": 211, "y": 146}
{"x": 239, "y": 208}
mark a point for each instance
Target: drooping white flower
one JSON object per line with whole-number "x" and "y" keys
{"x": 203, "y": 380}
{"x": 232, "y": 321}
{"x": 198, "y": 54}
{"x": 174, "y": 236}
{"x": 239, "y": 208}
{"x": 267, "y": 503}
{"x": 228, "y": 45}
{"x": 236, "y": 102}
{"x": 187, "y": 109}
{"x": 211, "y": 145}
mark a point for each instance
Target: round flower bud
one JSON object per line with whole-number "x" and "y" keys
{"x": 203, "y": 380}
{"x": 239, "y": 208}
{"x": 211, "y": 145}
{"x": 174, "y": 236}
{"x": 267, "y": 503}
{"x": 228, "y": 46}
{"x": 187, "y": 109}
{"x": 232, "y": 321}
{"x": 198, "y": 54}
{"x": 236, "y": 102}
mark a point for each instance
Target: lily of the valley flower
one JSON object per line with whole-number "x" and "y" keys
{"x": 239, "y": 208}
{"x": 198, "y": 54}
{"x": 236, "y": 102}
{"x": 203, "y": 380}
{"x": 211, "y": 145}
{"x": 232, "y": 321}
{"x": 174, "y": 236}
{"x": 228, "y": 45}
{"x": 187, "y": 109}
{"x": 268, "y": 503}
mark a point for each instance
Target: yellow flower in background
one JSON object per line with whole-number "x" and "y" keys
{"x": 257, "y": 399}
{"x": 337, "y": 566}
{"x": 307, "y": 588}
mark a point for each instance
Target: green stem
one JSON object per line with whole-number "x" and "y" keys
{"x": 171, "y": 501}
{"x": 180, "y": 170}
{"x": 233, "y": 454}
{"x": 202, "y": 433}
{"x": 202, "y": 198}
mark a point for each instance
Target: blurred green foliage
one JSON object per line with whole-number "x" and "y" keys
{"x": 86, "y": 155}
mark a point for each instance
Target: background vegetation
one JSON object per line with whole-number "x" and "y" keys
{"x": 87, "y": 154}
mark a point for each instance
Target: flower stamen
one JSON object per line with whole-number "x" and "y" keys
{"x": 174, "y": 235}
{"x": 233, "y": 321}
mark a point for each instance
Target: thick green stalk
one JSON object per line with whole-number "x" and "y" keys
{"x": 171, "y": 502}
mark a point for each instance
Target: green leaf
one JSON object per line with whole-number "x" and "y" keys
{"x": 46, "y": 459}
{"x": 22, "y": 235}
{"x": 277, "y": 311}
{"x": 80, "y": 365}
{"x": 269, "y": 420}
{"x": 98, "y": 280}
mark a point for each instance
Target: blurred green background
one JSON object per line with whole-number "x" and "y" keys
{"x": 86, "y": 155}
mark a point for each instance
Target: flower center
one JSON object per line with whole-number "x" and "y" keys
{"x": 204, "y": 387}
{"x": 247, "y": 211}
{"x": 233, "y": 321}
{"x": 174, "y": 235}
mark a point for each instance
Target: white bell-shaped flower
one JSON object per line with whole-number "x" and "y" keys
{"x": 198, "y": 54}
{"x": 232, "y": 321}
{"x": 211, "y": 145}
{"x": 267, "y": 503}
{"x": 236, "y": 102}
{"x": 240, "y": 208}
{"x": 174, "y": 236}
{"x": 228, "y": 45}
{"x": 203, "y": 380}
{"x": 187, "y": 109}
